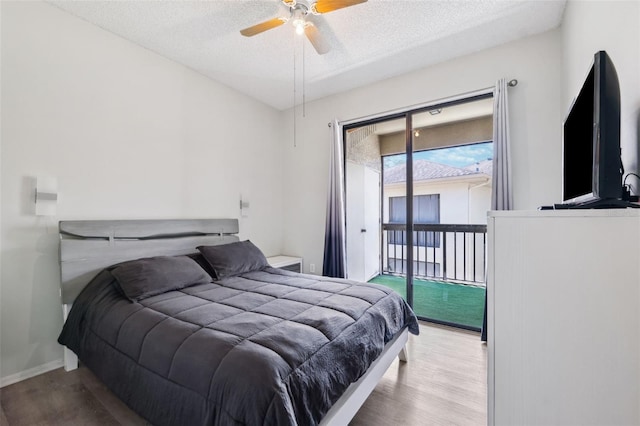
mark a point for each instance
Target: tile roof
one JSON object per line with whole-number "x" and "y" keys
{"x": 485, "y": 167}
{"x": 426, "y": 170}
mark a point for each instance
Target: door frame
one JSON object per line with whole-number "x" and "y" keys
{"x": 407, "y": 114}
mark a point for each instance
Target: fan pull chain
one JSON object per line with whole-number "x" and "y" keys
{"x": 304, "y": 92}
{"x": 294, "y": 91}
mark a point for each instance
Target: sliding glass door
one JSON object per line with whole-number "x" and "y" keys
{"x": 433, "y": 171}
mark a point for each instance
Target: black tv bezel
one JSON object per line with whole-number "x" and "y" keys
{"x": 606, "y": 164}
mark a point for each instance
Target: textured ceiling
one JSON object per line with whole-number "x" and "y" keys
{"x": 369, "y": 42}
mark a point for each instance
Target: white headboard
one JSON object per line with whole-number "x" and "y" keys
{"x": 88, "y": 246}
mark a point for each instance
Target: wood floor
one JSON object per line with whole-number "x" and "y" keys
{"x": 444, "y": 383}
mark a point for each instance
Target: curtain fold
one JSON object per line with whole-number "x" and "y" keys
{"x": 334, "y": 263}
{"x": 502, "y": 194}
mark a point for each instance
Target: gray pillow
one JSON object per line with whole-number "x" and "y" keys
{"x": 142, "y": 278}
{"x": 200, "y": 260}
{"x": 232, "y": 259}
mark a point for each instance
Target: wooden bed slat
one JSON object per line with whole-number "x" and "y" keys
{"x": 148, "y": 228}
{"x": 82, "y": 250}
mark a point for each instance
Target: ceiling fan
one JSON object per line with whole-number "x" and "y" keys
{"x": 300, "y": 11}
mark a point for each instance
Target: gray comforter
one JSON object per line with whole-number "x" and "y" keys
{"x": 268, "y": 347}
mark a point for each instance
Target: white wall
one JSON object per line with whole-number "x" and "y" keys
{"x": 590, "y": 26}
{"x": 536, "y": 117}
{"x": 461, "y": 201}
{"x": 128, "y": 134}
{"x": 479, "y": 202}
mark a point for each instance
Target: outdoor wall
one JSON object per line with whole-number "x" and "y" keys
{"x": 443, "y": 135}
{"x": 460, "y": 202}
{"x": 479, "y": 202}
{"x": 363, "y": 150}
{"x": 128, "y": 134}
{"x": 534, "y": 106}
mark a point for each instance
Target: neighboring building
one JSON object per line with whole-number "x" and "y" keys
{"x": 464, "y": 194}
{"x": 442, "y": 194}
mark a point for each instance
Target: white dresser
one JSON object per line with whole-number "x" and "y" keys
{"x": 564, "y": 317}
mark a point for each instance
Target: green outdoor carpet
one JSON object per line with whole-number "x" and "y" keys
{"x": 454, "y": 303}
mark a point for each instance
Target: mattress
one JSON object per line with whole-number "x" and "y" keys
{"x": 268, "y": 347}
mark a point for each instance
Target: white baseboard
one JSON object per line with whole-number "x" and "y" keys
{"x": 32, "y": 372}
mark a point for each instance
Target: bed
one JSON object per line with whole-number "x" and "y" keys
{"x": 188, "y": 325}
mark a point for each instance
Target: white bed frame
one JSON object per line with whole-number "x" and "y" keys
{"x": 87, "y": 247}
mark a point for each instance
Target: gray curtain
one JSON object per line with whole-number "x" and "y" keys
{"x": 502, "y": 195}
{"x": 334, "y": 264}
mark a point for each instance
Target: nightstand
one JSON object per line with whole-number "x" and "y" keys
{"x": 289, "y": 263}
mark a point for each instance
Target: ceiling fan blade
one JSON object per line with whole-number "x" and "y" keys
{"x": 324, "y": 6}
{"x": 316, "y": 39}
{"x": 261, "y": 27}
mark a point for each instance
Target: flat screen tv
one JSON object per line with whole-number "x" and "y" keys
{"x": 592, "y": 165}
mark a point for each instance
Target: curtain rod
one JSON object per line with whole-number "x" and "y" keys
{"x": 480, "y": 92}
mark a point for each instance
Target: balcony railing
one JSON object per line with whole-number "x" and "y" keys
{"x": 443, "y": 252}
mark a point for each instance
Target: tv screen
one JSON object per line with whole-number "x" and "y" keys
{"x": 592, "y": 165}
{"x": 578, "y": 146}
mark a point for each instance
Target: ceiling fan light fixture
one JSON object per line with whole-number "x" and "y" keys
{"x": 299, "y": 10}
{"x": 297, "y": 18}
{"x": 299, "y": 25}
